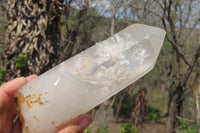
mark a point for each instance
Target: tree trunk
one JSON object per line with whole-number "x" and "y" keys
{"x": 119, "y": 107}
{"x": 75, "y": 38}
{"x": 112, "y": 27}
{"x": 139, "y": 110}
{"x": 33, "y": 33}
{"x": 172, "y": 109}
{"x": 176, "y": 96}
{"x": 196, "y": 94}
{"x": 103, "y": 116}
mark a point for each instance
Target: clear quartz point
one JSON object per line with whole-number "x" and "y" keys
{"x": 82, "y": 82}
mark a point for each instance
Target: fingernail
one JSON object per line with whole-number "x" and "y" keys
{"x": 29, "y": 78}
{"x": 84, "y": 123}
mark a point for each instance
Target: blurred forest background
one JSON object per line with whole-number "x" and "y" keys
{"x": 36, "y": 35}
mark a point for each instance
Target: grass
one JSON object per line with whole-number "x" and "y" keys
{"x": 186, "y": 127}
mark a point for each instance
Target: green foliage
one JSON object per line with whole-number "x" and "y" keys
{"x": 128, "y": 129}
{"x": 88, "y": 16}
{"x": 172, "y": 84}
{"x": 88, "y": 130}
{"x": 20, "y": 61}
{"x": 102, "y": 130}
{"x": 99, "y": 130}
{"x": 2, "y": 30}
{"x": 15, "y": 119}
{"x": 198, "y": 65}
{"x": 184, "y": 93}
{"x": 167, "y": 46}
{"x": 154, "y": 114}
{"x": 2, "y": 72}
{"x": 186, "y": 127}
{"x": 127, "y": 105}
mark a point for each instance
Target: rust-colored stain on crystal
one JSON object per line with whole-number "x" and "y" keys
{"x": 132, "y": 26}
{"x": 36, "y": 118}
{"x": 20, "y": 99}
{"x": 53, "y": 123}
{"x": 34, "y": 129}
{"x": 30, "y": 99}
{"x": 26, "y": 129}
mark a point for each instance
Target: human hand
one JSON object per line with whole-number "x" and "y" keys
{"x": 8, "y": 110}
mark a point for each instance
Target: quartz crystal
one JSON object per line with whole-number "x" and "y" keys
{"x": 82, "y": 82}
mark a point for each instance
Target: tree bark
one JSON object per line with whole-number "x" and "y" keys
{"x": 112, "y": 29}
{"x": 119, "y": 107}
{"x": 196, "y": 94}
{"x": 139, "y": 110}
{"x": 177, "y": 93}
{"x": 172, "y": 109}
{"x": 33, "y": 32}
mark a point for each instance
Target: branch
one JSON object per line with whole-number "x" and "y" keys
{"x": 177, "y": 51}
{"x": 192, "y": 29}
{"x": 189, "y": 70}
{"x": 187, "y": 120}
{"x": 171, "y": 23}
{"x": 140, "y": 8}
{"x": 181, "y": 19}
{"x": 163, "y": 19}
{"x": 189, "y": 12}
{"x": 182, "y": 82}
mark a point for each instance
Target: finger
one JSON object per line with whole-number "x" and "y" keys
{"x": 76, "y": 125}
{"x": 17, "y": 127}
{"x": 71, "y": 129}
{"x": 12, "y": 86}
{"x": 31, "y": 77}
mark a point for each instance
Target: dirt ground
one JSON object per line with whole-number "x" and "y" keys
{"x": 148, "y": 127}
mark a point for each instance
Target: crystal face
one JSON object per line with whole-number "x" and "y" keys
{"x": 87, "y": 79}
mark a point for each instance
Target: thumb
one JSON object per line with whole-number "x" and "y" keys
{"x": 70, "y": 129}
{"x": 77, "y": 125}
{"x": 12, "y": 86}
